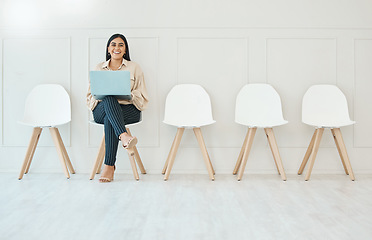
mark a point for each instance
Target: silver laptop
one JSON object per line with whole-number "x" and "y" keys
{"x": 110, "y": 83}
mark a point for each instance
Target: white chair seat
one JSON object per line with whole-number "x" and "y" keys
{"x": 41, "y": 123}
{"x": 189, "y": 123}
{"x": 330, "y": 124}
{"x": 101, "y": 124}
{"x": 264, "y": 124}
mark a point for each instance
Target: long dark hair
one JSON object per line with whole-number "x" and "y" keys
{"x": 118, "y": 35}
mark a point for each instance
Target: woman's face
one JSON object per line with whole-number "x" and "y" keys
{"x": 117, "y": 49}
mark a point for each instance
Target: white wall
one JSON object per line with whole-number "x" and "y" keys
{"x": 220, "y": 45}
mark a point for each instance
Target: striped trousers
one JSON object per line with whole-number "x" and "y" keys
{"x": 114, "y": 116}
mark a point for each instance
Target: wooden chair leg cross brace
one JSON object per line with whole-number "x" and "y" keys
{"x": 132, "y": 154}
{"x": 244, "y": 152}
{"x": 172, "y": 154}
{"x": 313, "y": 148}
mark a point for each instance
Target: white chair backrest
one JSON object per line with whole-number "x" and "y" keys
{"x": 47, "y": 105}
{"x": 259, "y": 105}
{"x": 188, "y": 105}
{"x": 325, "y": 106}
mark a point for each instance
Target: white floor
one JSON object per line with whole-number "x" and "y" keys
{"x": 48, "y": 206}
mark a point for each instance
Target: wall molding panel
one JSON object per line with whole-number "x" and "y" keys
{"x": 47, "y": 60}
{"x": 292, "y": 66}
{"x": 220, "y": 65}
{"x": 362, "y": 92}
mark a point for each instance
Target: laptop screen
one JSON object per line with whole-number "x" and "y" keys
{"x": 110, "y": 83}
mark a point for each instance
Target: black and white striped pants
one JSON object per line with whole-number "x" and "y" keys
{"x": 114, "y": 116}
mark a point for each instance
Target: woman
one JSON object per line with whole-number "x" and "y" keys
{"x": 115, "y": 113}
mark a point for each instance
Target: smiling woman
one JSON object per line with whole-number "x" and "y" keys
{"x": 116, "y": 113}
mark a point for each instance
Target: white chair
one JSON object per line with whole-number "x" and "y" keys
{"x": 188, "y": 106}
{"x": 258, "y": 106}
{"x": 325, "y": 106}
{"x": 47, "y": 106}
{"x": 133, "y": 155}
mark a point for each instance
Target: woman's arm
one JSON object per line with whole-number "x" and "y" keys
{"x": 139, "y": 91}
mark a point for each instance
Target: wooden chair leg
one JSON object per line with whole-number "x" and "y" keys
{"x": 199, "y": 137}
{"x": 314, "y": 151}
{"x": 33, "y": 149}
{"x": 339, "y": 151}
{"x": 54, "y": 134}
{"x": 169, "y": 155}
{"x": 173, "y": 152}
{"x": 307, "y": 154}
{"x": 30, "y": 151}
{"x": 210, "y": 163}
{"x": 341, "y": 143}
{"x": 209, "y": 159}
{"x": 240, "y": 157}
{"x": 138, "y": 160}
{"x": 137, "y": 156}
{"x": 275, "y": 150}
{"x": 99, "y": 158}
{"x": 65, "y": 154}
{"x": 247, "y": 149}
{"x": 271, "y": 148}
{"x": 133, "y": 163}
